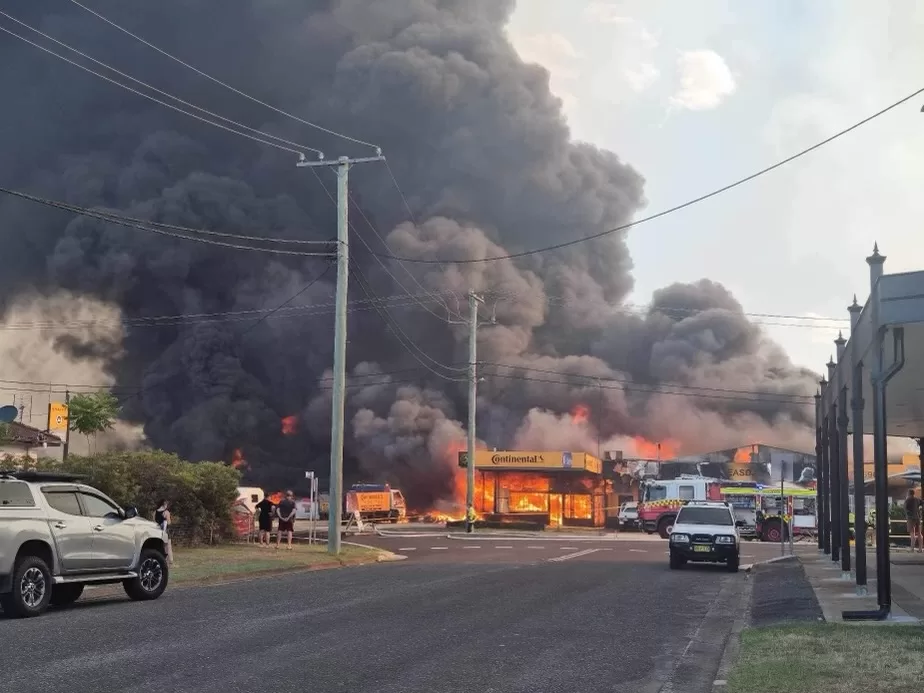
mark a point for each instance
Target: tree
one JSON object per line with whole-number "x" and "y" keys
{"x": 92, "y": 413}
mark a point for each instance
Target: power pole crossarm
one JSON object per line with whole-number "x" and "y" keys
{"x": 338, "y": 397}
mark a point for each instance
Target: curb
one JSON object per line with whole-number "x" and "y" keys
{"x": 383, "y": 555}
{"x": 733, "y": 641}
{"x": 750, "y": 566}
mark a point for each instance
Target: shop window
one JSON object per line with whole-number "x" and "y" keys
{"x": 522, "y": 502}
{"x": 578, "y": 507}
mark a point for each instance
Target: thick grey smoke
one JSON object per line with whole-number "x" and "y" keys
{"x": 482, "y": 150}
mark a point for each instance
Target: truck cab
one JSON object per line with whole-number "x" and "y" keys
{"x": 663, "y": 498}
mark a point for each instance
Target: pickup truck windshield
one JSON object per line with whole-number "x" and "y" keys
{"x": 15, "y": 494}
{"x": 705, "y": 516}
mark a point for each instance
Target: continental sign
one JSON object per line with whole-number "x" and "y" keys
{"x": 508, "y": 459}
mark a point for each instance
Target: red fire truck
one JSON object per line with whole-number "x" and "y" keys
{"x": 662, "y": 499}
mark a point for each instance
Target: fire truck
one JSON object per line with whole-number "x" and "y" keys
{"x": 376, "y": 502}
{"x": 662, "y": 499}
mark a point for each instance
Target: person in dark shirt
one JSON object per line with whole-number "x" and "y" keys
{"x": 266, "y": 511}
{"x": 913, "y": 513}
{"x": 285, "y": 511}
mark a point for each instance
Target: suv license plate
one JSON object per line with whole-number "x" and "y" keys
{"x": 702, "y": 549}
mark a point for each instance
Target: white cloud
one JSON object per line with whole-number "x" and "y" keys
{"x": 605, "y": 13}
{"x": 642, "y": 76}
{"x": 557, "y": 55}
{"x": 705, "y": 80}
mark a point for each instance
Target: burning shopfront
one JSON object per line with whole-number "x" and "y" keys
{"x": 550, "y": 488}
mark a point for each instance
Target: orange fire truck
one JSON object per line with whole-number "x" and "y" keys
{"x": 662, "y": 499}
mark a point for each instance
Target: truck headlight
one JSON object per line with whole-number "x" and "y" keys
{"x": 724, "y": 539}
{"x": 680, "y": 538}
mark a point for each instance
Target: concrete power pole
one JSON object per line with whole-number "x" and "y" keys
{"x": 343, "y": 165}
{"x": 473, "y": 301}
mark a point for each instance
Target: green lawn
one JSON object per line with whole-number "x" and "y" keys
{"x": 829, "y": 658}
{"x": 239, "y": 560}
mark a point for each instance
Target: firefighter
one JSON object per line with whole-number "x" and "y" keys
{"x": 470, "y": 518}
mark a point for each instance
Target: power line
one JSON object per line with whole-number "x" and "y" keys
{"x": 652, "y": 390}
{"x": 671, "y": 210}
{"x": 180, "y": 319}
{"x": 224, "y": 84}
{"x": 369, "y": 248}
{"x": 634, "y": 384}
{"x": 162, "y": 225}
{"x": 402, "y": 336}
{"x": 155, "y": 89}
{"x": 170, "y": 378}
{"x": 155, "y": 99}
{"x": 145, "y": 226}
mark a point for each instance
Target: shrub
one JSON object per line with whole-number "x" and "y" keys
{"x": 200, "y": 493}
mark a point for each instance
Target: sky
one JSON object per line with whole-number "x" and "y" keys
{"x": 698, "y": 95}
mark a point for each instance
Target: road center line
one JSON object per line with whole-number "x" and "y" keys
{"x": 408, "y": 548}
{"x": 638, "y": 551}
{"x": 503, "y": 547}
{"x": 569, "y": 556}
{"x": 535, "y": 547}
{"x": 471, "y": 547}
{"x": 568, "y": 548}
{"x": 439, "y": 548}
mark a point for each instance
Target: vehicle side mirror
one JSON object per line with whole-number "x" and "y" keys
{"x": 130, "y": 512}
{"x": 739, "y": 523}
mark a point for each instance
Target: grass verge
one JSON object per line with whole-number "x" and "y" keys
{"x": 829, "y": 658}
{"x": 216, "y": 563}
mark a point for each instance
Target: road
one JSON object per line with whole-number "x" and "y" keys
{"x": 498, "y": 615}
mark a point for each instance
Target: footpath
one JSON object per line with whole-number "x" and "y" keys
{"x": 793, "y": 636}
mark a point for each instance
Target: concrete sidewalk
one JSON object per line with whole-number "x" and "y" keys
{"x": 836, "y": 594}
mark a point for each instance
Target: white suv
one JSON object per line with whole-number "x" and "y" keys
{"x": 705, "y": 531}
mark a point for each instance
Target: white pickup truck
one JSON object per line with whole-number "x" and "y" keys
{"x": 58, "y": 535}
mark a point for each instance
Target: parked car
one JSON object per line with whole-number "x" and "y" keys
{"x": 58, "y": 535}
{"x": 628, "y": 515}
{"x": 706, "y": 531}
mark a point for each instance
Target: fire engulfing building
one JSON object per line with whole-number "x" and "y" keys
{"x": 761, "y": 464}
{"x": 550, "y": 487}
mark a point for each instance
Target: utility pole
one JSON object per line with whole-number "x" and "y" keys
{"x": 67, "y": 430}
{"x": 338, "y": 398}
{"x": 473, "y": 301}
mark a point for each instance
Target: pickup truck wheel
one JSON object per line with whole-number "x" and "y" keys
{"x": 31, "y": 591}
{"x": 152, "y": 577}
{"x": 732, "y": 564}
{"x": 677, "y": 562}
{"x": 65, "y": 595}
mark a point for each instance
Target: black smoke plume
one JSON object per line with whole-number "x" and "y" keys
{"x": 482, "y": 150}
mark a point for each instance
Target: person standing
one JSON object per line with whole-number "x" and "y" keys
{"x": 162, "y": 519}
{"x": 285, "y": 511}
{"x": 266, "y": 510}
{"x": 913, "y": 514}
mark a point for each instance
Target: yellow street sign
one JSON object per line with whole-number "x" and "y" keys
{"x": 57, "y": 418}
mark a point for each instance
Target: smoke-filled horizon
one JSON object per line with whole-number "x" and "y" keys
{"x": 482, "y": 150}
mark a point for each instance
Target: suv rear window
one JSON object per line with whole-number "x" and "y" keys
{"x": 705, "y": 516}
{"x": 16, "y": 494}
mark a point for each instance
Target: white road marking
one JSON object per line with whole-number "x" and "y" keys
{"x": 439, "y": 548}
{"x": 638, "y": 551}
{"x": 471, "y": 547}
{"x": 569, "y": 556}
{"x": 503, "y": 547}
{"x": 568, "y": 548}
{"x": 408, "y": 548}
{"x": 535, "y": 547}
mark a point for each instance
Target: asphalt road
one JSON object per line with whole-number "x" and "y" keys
{"x": 579, "y": 616}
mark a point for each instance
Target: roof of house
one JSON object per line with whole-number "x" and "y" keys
{"x": 27, "y": 436}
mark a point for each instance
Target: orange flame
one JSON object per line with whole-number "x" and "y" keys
{"x": 289, "y": 425}
{"x": 237, "y": 459}
{"x": 580, "y": 414}
{"x": 665, "y": 450}
{"x": 276, "y": 498}
{"x": 743, "y": 455}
